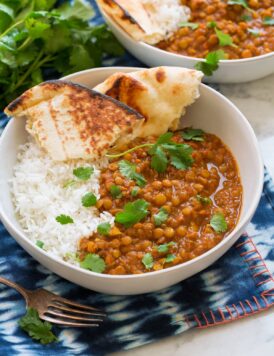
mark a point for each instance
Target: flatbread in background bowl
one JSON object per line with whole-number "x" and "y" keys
{"x": 149, "y": 21}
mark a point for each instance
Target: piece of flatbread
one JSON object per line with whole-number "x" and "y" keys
{"x": 159, "y": 94}
{"x": 70, "y": 121}
{"x": 144, "y": 20}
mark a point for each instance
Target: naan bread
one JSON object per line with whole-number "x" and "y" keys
{"x": 146, "y": 20}
{"x": 70, "y": 121}
{"x": 159, "y": 94}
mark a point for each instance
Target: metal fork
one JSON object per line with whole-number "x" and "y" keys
{"x": 58, "y": 310}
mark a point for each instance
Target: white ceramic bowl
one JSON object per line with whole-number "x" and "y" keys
{"x": 229, "y": 71}
{"x": 211, "y": 112}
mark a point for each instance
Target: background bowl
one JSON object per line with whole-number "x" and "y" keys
{"x": 229, "y": 71}
{"x": 211, "y": 112}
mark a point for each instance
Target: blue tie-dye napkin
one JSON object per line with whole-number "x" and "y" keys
{"x": 238, "y": 285}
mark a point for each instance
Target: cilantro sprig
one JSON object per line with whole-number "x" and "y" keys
{"x": 164, "y": 248}
{"x": 242, "y": 3}
{"x": 36, "y": 34}
{"x": 192, "y": 25}
{"x": 160, "y": 217}
{"x": 128, "y": 170}
{"x": 163, "y": 151}
{"x": 83, "y": 173}
{"x": 132, "y": 213}
{"x": 193, "y": 134}
{"x": 93, "y": 262}
{"x": 36, "y": 328}
{"x": 104, "y": 228}
{"x": 64, "y": 219}
{"x": 203, "y": 200}
{"x": 224, "y": 38}
{"x": 147, "y": 260}
{"x": 115, "y": 191}
{"x": 40, "y": 244}
{"x": 88, "y": 200}
{"x": 211, "y": 62}
{"x": 268, "y": 21}
{"x": 218, "y": 223}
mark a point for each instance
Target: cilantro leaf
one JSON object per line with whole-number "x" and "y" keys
{"x": 211, "y": 24}
{"x": 6, "y": 16}
{"x": 132, "y": 213}
{"x": 203, "y": 200}
{"x": 165, "y": 247}
{"x": 64, "y": 219}
{"x": 159, "y": 160}
{"x": 40, "y": 244}
{"x": 83, "y": 173}
{"x": 88, "y": 200}
{"x": 254, "y": 31}
{"x": 170, "y": 258}
{"x": 135, "y": 191}
{"x": 128, "y": 170}
{"x": 242, "y": 3}
{"x": 69, "y": 183}
{"x": 115, "y": 191}
{"x": 79, "y": 9}
{"x": 211, "y": 62}
{"x": 93, "y": 262}
{"x": 36, "y": 328}
{"x": 268, "y": 21}
{"x": 224, "y": 38}
{"x": 193, "y": 134}
{"x": 218, "y": 223}
{"x": 160, "y": 217}
{"x": 192, "y": 25}
{"x": 147, "y": 260}
{"x": 180, "y": 155}
{"x": 103, "y": 228}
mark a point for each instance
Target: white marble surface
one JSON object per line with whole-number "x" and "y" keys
{"x": 253, "y": 336}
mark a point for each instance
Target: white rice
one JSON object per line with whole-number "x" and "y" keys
{"x": 39, "y": 197}
{"x": 168, "y": 14}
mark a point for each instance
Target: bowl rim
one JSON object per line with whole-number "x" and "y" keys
{"x": 244, "y": 220}
{"x": 159, "y": 51}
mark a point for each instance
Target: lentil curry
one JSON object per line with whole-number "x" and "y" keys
{"x": 167, "y": 209}
{"x": 249, "y": 27}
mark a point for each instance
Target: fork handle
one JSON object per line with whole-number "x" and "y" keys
{"x": 16, "y": 286}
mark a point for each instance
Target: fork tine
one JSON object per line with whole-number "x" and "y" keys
{"x": 69, "y": 302}
{"x": 67, "y": 316}
{"x": 79, "y": 311}
{"x": 67, "y": 323}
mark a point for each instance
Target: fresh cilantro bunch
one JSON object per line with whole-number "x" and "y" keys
{"x": 36, "y": 328}
{"x": 36, "y": 34}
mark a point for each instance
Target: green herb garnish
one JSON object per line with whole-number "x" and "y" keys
{"x": 192, "y": 25}
{"x": 165, "y": 247}
{"x": 211, "y": 62}
{"x": 160, "y": 217}
{"x": 246, "y": 18}
{"x": 268, "y": 21}
{"x": 134, "y": 191}
{"x": 64, "y": 219}
{"x": 128, "y": 170}
{"x": 37, "y": 34}
{"x": 115, "y": 191}
{"x": 170, "y": 258}
{"x": 93, "y": 263}
{"x": 255, "y": 32}
{"x": 40, "y": 244}
{"x": 218, "y": 223}
{"x": 203, "y": 200}
{"x": 83, "y": 173}
{"x": 69, "y": 183}
{"x": 88, "y": 200}
{"x": 242, "y": 3}
{"x": 147, "y": 260}
{"x": 165, "y": 150}
{"x": 193, "y": 134}
{"x": 211, "y": 24}
{"x": 36, "y": 328}
{"x": 224, "y": 38}
{"x": 132, "y": 213}
{"x": 104, "y": 228}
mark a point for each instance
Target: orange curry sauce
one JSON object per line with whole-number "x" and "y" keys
{"x": 251, "y": 36}
{"x": 184, "y": 196}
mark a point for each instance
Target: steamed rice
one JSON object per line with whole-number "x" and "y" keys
{"x": 39, "y": 197}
